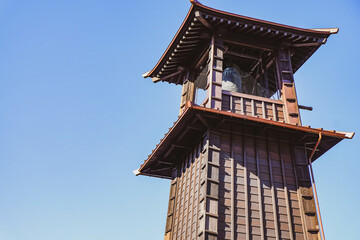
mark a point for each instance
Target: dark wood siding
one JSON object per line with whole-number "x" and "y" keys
{"x": 241, "y": 186}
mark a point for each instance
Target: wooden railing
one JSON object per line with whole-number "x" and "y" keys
{"x": 253, "y": 105}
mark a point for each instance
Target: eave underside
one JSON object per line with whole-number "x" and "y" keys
{"x": 193, "y": 37}
{"x": 195, "y": 121}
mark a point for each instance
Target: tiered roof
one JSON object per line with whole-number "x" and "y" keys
{"x": 192, "y": 38}
{"x": 195, "y": 120}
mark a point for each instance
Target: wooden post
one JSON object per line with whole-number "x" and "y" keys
{"x": 188, "y": 92}
{"x": 306, "y": 194}
{"x": 287, "y": 85}
{"x": 214, "y": 75}
{"x": 171, "y": 208}
{"x": 209, "y": 197}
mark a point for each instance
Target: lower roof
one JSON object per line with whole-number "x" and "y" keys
{"x": 195, "y": 121}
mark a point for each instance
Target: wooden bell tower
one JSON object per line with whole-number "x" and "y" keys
{"x": 238, "y": 156}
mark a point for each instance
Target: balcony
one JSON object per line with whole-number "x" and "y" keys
{"x": 253, "y": 105}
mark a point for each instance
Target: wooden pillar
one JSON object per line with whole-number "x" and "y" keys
{"x": 209, "y": 190}
{"x": 307, "y": 202}
{"x": 171, "y": 208}
{"x": 188, "y": 91}
{"x": 214, "y": 74}
{"x": 287, "y": 85}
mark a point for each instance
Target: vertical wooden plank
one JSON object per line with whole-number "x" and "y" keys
{"x": 182, "y": 200}
{"x": 200, "y": 210}
{"x": 203, "y": 190}
{"x": 189, "y": 195}
{"x": 246, "y": 187}
{"x": 172, "y": 205}
{"x": 242, "y": 107}
{"x": 194, "y": 200}
{"x": 179, "y": 208}
{"x": 212, "y": 181}
{"x": 276, "y": 222}
{"x": 261, "y": 210}
{"x": 298, "y": 192}
{"x": 286, "y": 192}
{"x": 305, "y": 190}
{"x": 263, "y": 109}
{"x": 253, "y": 113}
{"x": 177, "y": 204}
{"x": 233, "y": 231}
{"x": 274, "y": 112}
{"x": 284, "y": 113}
{"x": 196, "y": 190}
{"x": 184, "y": 209}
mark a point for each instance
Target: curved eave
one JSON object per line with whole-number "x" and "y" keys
{"x": 172, "y": 43}
{"x": 188, "y": 39}
{"x": 324, "y": 32}
{"x": 189, "y": 129}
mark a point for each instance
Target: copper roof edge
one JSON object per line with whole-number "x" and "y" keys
{"x": 191, "y": 105}
{"x": 166, "y": 135}
{"x": 339, "y": 134}
{"x": 318, "y": 30}
{"x": 172, "y": 41}
{"x": 199, "y": 6}
{"x": 326, "y": 30}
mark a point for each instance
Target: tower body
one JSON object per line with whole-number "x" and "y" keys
{"x": 242, "y": 184}
{"x": 238, "y": 159}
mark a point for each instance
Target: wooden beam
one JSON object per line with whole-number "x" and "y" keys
{"x": 168, "y": 151}
{"x": 166, "y": 163}
{"x": 243, "y": 55}
{"x": 194, "y": 128}
{"x": 156, "y": 79}
{"x": 202, "y": 120}
{"x": 314, "y": 44}
{"x": 267, "y": 66}
{"x": 180, "y": 146}
{"x": 305, "y": 107}
{"x": 251, "y": 42}
{"x": 199, "y": 17}
{"x": 202, "y": 59}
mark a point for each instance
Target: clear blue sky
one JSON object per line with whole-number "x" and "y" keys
{"x": 76, "y": 117}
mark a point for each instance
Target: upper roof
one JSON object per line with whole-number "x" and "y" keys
{"x": 195, "y": 120}
{"x": 193, "y": 35}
